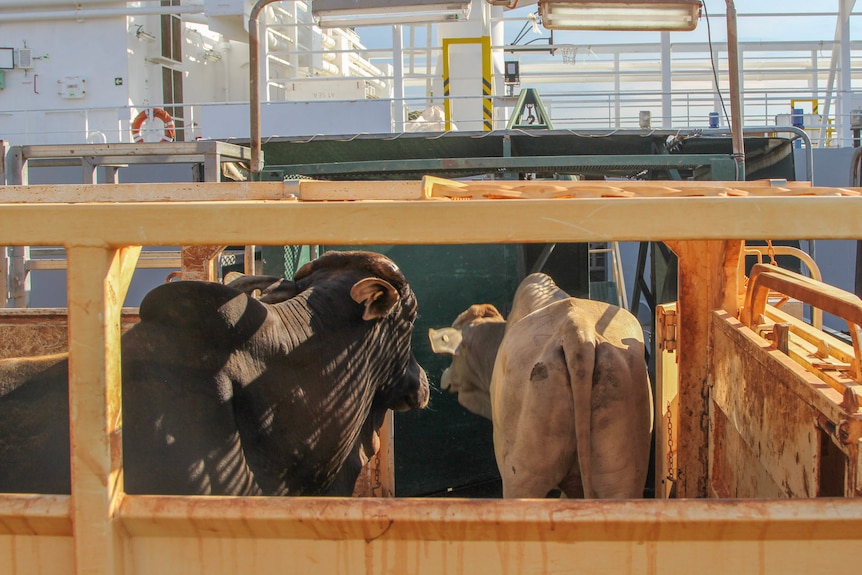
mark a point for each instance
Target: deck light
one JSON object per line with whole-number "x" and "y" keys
{"x": 348, "y": 13}
{"x": 662, "y": 15}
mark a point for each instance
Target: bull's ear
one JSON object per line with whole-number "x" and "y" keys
{"x": 377, "y": 295}
{"x": 445, "y": 340}
{"x": 271, "y": 289}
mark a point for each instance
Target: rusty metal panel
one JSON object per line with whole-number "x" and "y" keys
{"x": 735, "y": 470}
{"x": 764, "y": 439}
{"x": 834, "y": 377}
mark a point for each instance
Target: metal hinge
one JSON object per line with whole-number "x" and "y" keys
{"x": 666, "y": 328}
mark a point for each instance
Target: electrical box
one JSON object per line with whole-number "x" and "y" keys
{"x": 25, "y": 58}
{"x": 2, "y": 80}
{"x": 513, "y": 73}
{"x": 72, "y": 87}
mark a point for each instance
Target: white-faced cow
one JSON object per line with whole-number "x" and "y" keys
{"x": 225, "y": 394}
{"x": 565, "y": 385}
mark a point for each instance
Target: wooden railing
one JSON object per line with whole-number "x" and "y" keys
{"x": 101, "y": 530}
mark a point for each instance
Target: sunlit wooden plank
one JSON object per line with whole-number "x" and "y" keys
{"x": 432, "y": 221}
{"x": 181, "y": 191}
{"x": 128, "y": 262}
{"x": 94, "y": 285}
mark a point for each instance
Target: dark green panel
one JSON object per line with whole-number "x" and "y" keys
{"x": 621, "y": 153}
{"x": 283, "y": 261}
{"x": 568, "y": 264}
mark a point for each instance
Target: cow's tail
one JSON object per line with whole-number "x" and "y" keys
{"x": 580, "y": 355}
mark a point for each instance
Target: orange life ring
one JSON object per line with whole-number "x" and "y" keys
{"x": 147, "y": 114}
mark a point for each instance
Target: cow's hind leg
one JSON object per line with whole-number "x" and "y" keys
{"x": 572, "y": 487}
{"x": 621, "y": 425}
{"x": 525, "y": 484}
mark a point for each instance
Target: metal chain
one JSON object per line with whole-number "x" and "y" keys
{"x": 771, "y": 251}
{"x": 376, "y": 484}
{"x": 670, "y": 469}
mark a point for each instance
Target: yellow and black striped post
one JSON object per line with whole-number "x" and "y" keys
{"x": 487, "y": 84}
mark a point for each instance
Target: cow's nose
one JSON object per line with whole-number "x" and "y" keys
{"x": 446, "y": 380}
{"x": 423, "y": 394}
{"x": 417, "y": 393}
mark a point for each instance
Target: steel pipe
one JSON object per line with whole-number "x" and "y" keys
{"x": 82, "y": 13}
{"x": 735, "y": 92}
{"x": 256, "y": 166}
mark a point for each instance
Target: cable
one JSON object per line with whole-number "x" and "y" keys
{"x": 531, "y": 22}
{"x": 712, "y": 63}
{"x": 521, "y": 34}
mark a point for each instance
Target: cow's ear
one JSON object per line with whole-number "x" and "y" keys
{"x": 377, "y": 295}
{"x": 445, "y": 340}
{"x": 477, "y": 311}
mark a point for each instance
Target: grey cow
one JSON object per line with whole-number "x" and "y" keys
{"x": 225, "y": 394}
{"x": 565, "y": 385}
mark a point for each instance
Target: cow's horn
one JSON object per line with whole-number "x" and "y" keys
{"x": 377, "y": 295}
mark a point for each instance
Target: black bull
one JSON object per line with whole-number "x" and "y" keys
{"x": 225, "y": 394}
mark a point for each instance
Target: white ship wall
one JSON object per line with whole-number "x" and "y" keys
{"x": 90, "y": 78}
{"x": 90, "y": 54}
{"x": 335, "y": 117}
